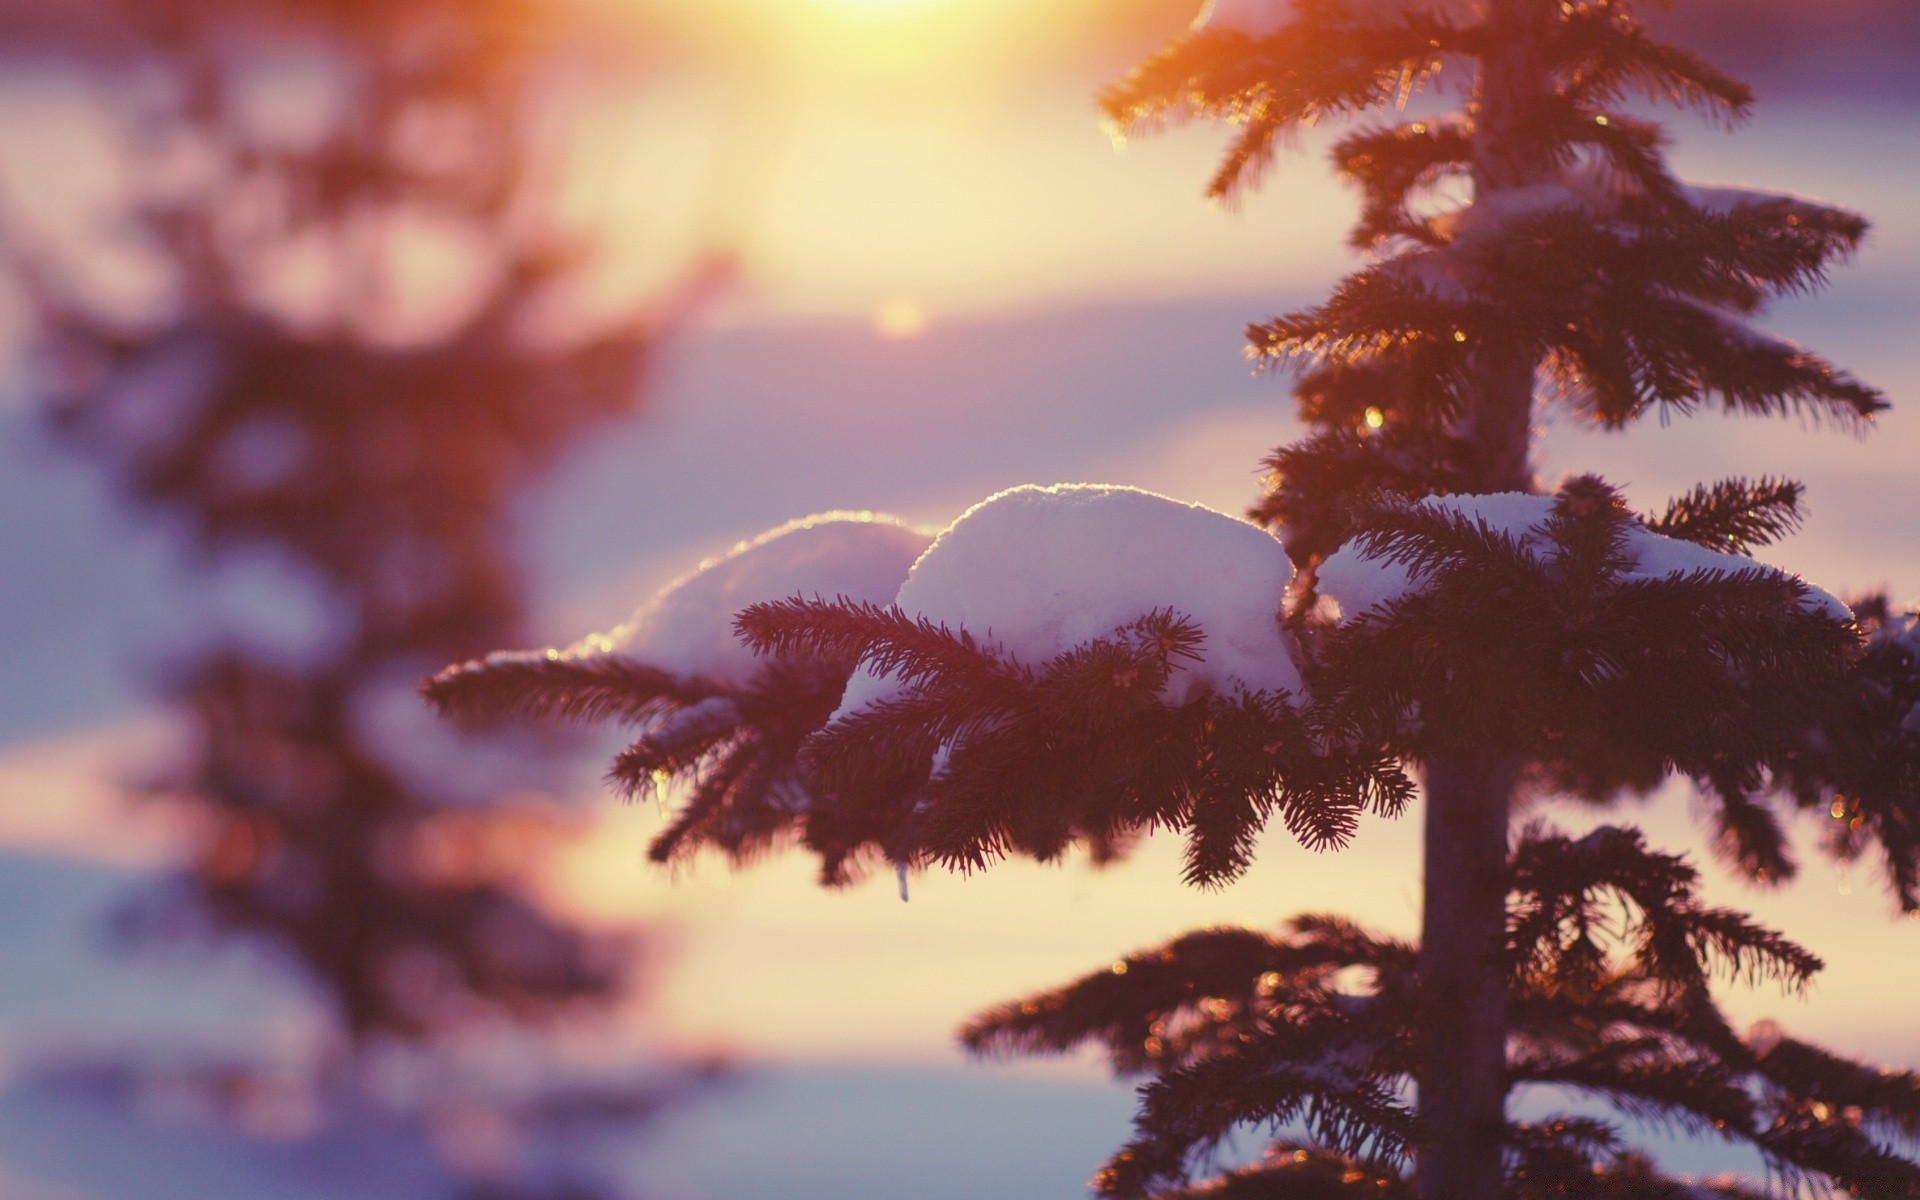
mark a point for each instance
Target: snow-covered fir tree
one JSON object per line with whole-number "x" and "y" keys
{"x": 1074, "y": 666}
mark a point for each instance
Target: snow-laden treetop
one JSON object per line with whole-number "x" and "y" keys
{"x": 1357, "y": 580}
{"x": 687, "y": 627}
{"x": 1037, "y": 571}
{"x": 1255, "y": 18}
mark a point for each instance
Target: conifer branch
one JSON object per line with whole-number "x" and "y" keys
{"x": 1430, "y": 542}
{"x": 1374, "y": 313}
{"x": 885, "y": 640}
{"x": 705, "y": 811}
{"x": 1648, "y": 329}
{"x": 674, "y": 745}
{"x": 1632, "y": 151}
{"x": 1572, "y": 1156}
{"x": 1853, "y": 750}
{"x": 1297, "y": 1171}
{"x": 1734, "y": 515}
{"x": 1604, "y": 54}
{"x": 1329, "y": 61}
{"x": 1193, "y": 1108}
{"x": 1320, "y": 489}
{"x": 1748, "y": 836}
{"x": 1391, "y": 163}
{"x": 1697, "y": 1095}
{"x": 1558, "y": 912}
{"x": 1803, "y": 1145}
{"x": 1412, "y": 388}
{"x": 1215, "y": 984}
{"x": 737, "y": 748}
{"x": 586, "y": 689}
{"x": 1567, "y": 1156}
{"x": 978, "y": 756}
{"x": 1880, "y": 1098}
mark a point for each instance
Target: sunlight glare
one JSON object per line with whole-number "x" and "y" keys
{"x": 882, "y": 8}
{"x": 900, "y": 318}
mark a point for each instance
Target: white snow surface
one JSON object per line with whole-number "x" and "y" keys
{"x": 687, "y": 627}
{"x": 1724, "y": 198}
{"x": 1036, "y": 571}
{"x": 1255, "y": 18}
{"x": 1357, "y": 581}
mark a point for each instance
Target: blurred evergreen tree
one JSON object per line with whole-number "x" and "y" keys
{"x": 300, "y": 404}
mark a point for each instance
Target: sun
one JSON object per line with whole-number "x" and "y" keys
{"x": 882, "y": 8}
{"x": 900, "y": 318}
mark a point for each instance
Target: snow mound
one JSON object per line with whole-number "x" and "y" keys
{"x": 1357, "y": 581}
{"x": 1036, "y": 571}
{"x": 687, "y": 628}
{"x": 1255, "y": 18}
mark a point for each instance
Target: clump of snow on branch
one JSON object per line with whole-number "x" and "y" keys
{"x": 1357, "y": 580}
{"x": 1590, "y": 188}
{"x": 1255, "y": 18}
{"x": 1585, "y": 188}
{"x": 687, "y": 628}
{"x": 1036, "y": 571}
{"x": 1446, "y": 269}
{"x": 1725, "y": 198}
{"x": 1595, "y": 189}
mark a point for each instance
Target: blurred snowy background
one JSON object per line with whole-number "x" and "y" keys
{"x": 949, "y": 282}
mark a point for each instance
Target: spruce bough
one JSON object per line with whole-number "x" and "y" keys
{"x": 1492, "y": 641}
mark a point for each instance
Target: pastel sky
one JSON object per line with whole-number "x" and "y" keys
{"x": 953, "y": 286}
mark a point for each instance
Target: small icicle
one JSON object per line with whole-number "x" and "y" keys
{"x": 900, "y": 873}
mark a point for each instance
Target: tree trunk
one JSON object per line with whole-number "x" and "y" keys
{"x": 1462, "y": 1084}
{"x": 1463, "y": 1034}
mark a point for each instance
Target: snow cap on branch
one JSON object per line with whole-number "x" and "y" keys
{"x": 687, "y": 628}
{"x": 1357, "y": 580}
{"x": 1255, "y": 18}
{"x": 1725, "y": 198}
{"x": 1598, "y": 189}
{"x": 1037, "y": 571}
